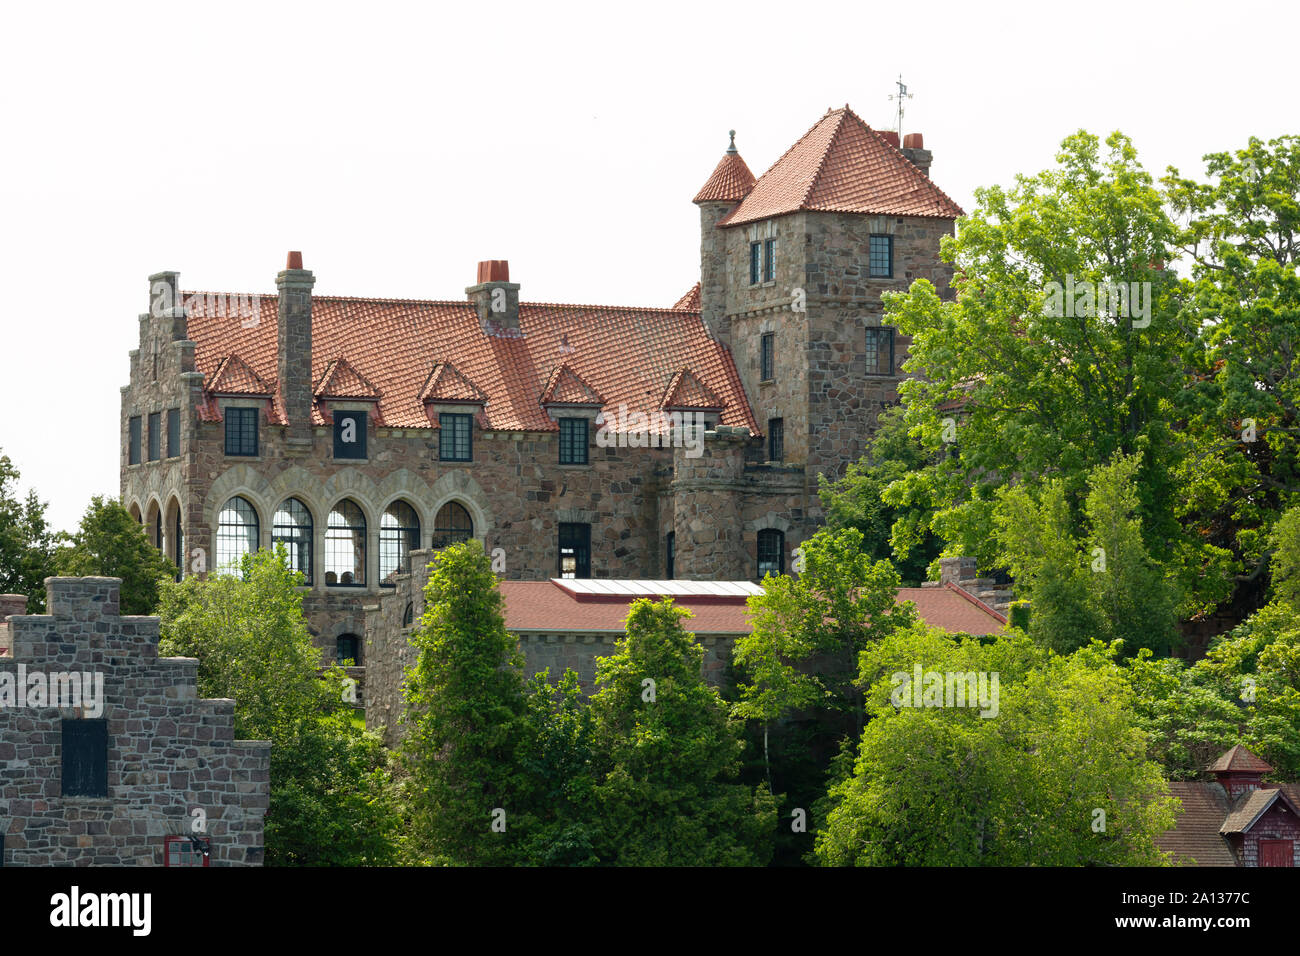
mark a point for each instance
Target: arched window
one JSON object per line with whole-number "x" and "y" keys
{"x": 408, "y": 616}
{"x": 399, "y": 534}
{"x": 177, "y": 539}
{"x": 771, "y": 552}
{"x": 292, "y": 526}
{"x": 237, "y": 533}
{"x": 452, "y": 524}
{"x": 345, "y": 546}
{"x": 347, "y": 647}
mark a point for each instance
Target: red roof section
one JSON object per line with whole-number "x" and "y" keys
{"x": 566, "y": 387}
{"x": 687, "y": 391}
{"x": 446, "y": 384}
{"x": 232, "y": 376}
{"x": 341, "y": 380}
{"x": 730, "y": 182}
{"x": 843, "y": 165}
{"x": 1239, "y": 760}
{"x": 690, "y": 301}
{"x": 627, "y": 355}
{"x": 546, "y": 606}
{"x": 1195, "y": 839}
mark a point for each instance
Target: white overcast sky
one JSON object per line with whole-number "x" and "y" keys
{"x": 396, "y": 145}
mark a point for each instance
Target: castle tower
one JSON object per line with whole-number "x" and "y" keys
{"x": 730, "y": 182}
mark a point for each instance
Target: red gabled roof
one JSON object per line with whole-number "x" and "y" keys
{"x": 953, "y": 610}
{"x": 1194, "y": 838}
{"x": 730, "y": 182}
{"x": 341, "y": 380}
{"x": 446, "y": 384}
{"x": 843, "y": 165}
{"x": 686, "y": 391}
{"x": 567, "y": 387}
{"x": 232, "y": 376}
{"x": 690, "y": 301}
{"x": 1239, "y": 760}
{"x": 627, "y": 355}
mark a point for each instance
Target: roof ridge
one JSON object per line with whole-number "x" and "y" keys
{"x": 903, "y": 156}
{"x": 821, "y": 162}
{"x": 976, "y": 601}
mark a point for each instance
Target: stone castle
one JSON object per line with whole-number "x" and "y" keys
{"x": 573, "y": 440}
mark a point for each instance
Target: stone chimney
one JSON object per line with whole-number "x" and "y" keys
{"x": 293, "y": 352}
{"x": 12, "y": 604}
{"x": 890, "y": 137}
{"x": 165, "y": 303}
{"x": 916, "y": 153}
{"x": 494, "y": 296}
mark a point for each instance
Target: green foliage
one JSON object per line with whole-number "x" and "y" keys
{"x": 947, "y": 786}
{"x": 27, "y": 543}
{"x": 332, "y": 799}
{"x": 110, "y": 543}
{"x": 667, "y": 755}
{"x": 1286, "y": 559}
{"x": 467, "y": 717}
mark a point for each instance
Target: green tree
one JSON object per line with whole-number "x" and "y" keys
{"x": 1019, "y": 782}
{"x": 110, "y": 543}
{"x": 27, "y": 542}
{"x": 332, "y": 798}
{"x": 668, "y": 755}
{"x": 1286, "y": 559}
{"x": 466, "y": 713}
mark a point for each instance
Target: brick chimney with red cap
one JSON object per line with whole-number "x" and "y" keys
{"x": 914, "y": 149}
{"x": 293, "y": 353}
{"x": 494, "y": 296}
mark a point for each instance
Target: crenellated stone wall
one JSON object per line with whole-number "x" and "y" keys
{"x": 169, "y": 753}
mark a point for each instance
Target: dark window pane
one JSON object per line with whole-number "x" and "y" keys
{"x": 573, "y": 441}
{"x": 292, "y": 527}
{"x": 776, "y": 439}
{"x": 767, "y": 355}
{"x": 349, "y": 434}
{"x": 173, "y": 432}
{"x": 155, "y": 436}
{"x": 755, "y": 261}
{"x": 241, "y": 431}
{"x": 399, "y": 535}
{"x": 133, "y": 443}
{"x": 408, "y": 616}
{"x": 575, "y": 550}
{"x": 670, "y": 554}
{"x": 769, "y": 260}
{"x": 347, "y": 648}
{"x": 237, "y": 533}
{"x": 85, "y": 758}
{"x": 771, "y": 552}
{"x": 880, "y": 351}
{"x": 452, "y": 525}
{"x": 881, "y": 255}
{"x": 454, "y": 438}
{"x": 178, "y": 541}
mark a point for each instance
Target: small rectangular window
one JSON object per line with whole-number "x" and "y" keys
{"x": 155, "y": 436}
{"x": 755, "y": 262}
{"x": 85, "y": 758}
{"x": 767, "y": 356}
{"x": 573, "y": 441}
{"x": 173, "y": 432}
{"x": 350, "y": 435}
{"x": 769, "y": 260}
{"x": 575, "y": 550}
{"x": 880, "y": 350}
{"x": 670, "y": 554}
{"x": 881, "y": 255}
{"x": 776, "y": 439}
{"x": 771, "y": 552}
{"x": 133, "y": 442}
{"x": 186, "y": 851}
{"x": 241, "y": 431}
{"x": 455, "y": 438}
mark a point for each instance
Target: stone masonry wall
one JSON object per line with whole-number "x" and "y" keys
{"x": 169, "y": 752}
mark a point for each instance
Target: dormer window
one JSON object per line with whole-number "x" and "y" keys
{"x": 350, "y": 435}
{"x": 455, "y": 437}
{"x": 241, "y": 431}
{"x": 573, "y": 441}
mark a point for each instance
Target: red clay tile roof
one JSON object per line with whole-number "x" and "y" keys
{"x": 687, "y": 391}
{"x": 730, "y": 182}
{"x": 1241, "y": 760}
{"x": 953, "y": 610}
{"x": 1195, "y": 839}
{"x": 341, "y": 380}
{"x": 446, "y": 384}
{"x": 566, "y": 387}
{"x": 690, "y": 301}
{"x": 628, "y": 355}
{"x": 843, "y": 165}
{"x": 547, "y": 606}
{"x": 232, "y": 376}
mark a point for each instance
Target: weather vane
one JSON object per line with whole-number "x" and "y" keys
{"x": 901, "y": 95}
